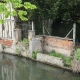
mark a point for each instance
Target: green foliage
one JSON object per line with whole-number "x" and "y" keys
{"x": 47, "y": 9}
{"x": 3, "y": 47}
{"x": 18, "y": 7}
{"x": 28, "y": 5}
{"x": 22, "y": 13}
{"x": 52, "y": 9}
{"x": 34, "y": 54}
{"x": 25, "y": 41}
{"x": 67, "y": 60}
{"x": 18, "y": 50}
{"x": 77, "y": 54}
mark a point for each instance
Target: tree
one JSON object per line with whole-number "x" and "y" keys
{"x": 19, "y": 8}
{"x": 53, "y": 9}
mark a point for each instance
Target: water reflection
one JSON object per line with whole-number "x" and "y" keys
{"x": 16, "y": 68}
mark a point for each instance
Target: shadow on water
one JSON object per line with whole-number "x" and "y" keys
{"x": 16, "y": 68}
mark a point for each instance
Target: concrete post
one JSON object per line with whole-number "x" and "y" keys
{"x": 31, "y": 35}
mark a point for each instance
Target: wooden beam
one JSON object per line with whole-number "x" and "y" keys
{"x": 74, "y": 33}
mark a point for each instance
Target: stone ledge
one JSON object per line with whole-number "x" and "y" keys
{"x": 49, "y": 59}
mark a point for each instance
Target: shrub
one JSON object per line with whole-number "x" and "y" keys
{"x": 34, "y": 54}
{"x": 77, "y": 54}
{"x": 18, "y": 51}
{"x": 25, "y": 41}
{"x": 3, "y": 47}
{"x": 76, "y": 61}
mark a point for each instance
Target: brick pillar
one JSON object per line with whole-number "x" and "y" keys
{"x": 31, "y": 35}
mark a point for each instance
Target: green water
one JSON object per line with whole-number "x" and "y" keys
{"x": 17, "y": 68}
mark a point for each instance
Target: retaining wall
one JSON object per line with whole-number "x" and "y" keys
{"x": 63, "y": 46}
{"x": 46, "y": 44}
{"x": 50, "y": 59}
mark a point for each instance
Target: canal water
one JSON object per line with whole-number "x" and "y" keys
{"x": 17, "y": 68}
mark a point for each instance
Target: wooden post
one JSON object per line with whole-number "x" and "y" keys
{"x": 43, "y": 28}
{"x": 74, "y": 33}
{"x": 32, "y": 26}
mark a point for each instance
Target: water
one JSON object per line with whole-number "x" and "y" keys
{"x": 17, "y": 68}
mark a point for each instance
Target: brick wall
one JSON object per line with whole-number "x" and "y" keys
{"x": 6, "y": 43}
{"x": 60, "y": 45}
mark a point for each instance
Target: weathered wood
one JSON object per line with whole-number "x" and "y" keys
{"x": 43, "y": 29}
{"x": 47, "y": 31}
{"x": 32, "y": 26}
{"x": 74, "y": 33}
{"x": 7, "y": 29}
{"x": 69, "y": 33}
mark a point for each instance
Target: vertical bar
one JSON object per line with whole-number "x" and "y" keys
{"x": 74, "y": 33}
{"x": 3, "y": 31}
{"x": 32, "y": 26}
{"x": 8, "y": 30}
{"x": 43, "y": 28}
{"x": 3, "y": 25}
{"x": 1, "y": 28}
{"x": 5, "y": 28}
{"x": 10, "y": 20}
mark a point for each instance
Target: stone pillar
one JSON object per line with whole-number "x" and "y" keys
{"x": 31, "y": 35}
{"x": 17, "y": 34}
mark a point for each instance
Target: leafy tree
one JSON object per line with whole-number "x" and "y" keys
{"x": 18, "y": 10}
{"x": 53, "y": 9}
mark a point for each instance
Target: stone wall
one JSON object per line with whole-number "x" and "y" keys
{"x": 50, "y": 59}
{"x": 46, "y": 44}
